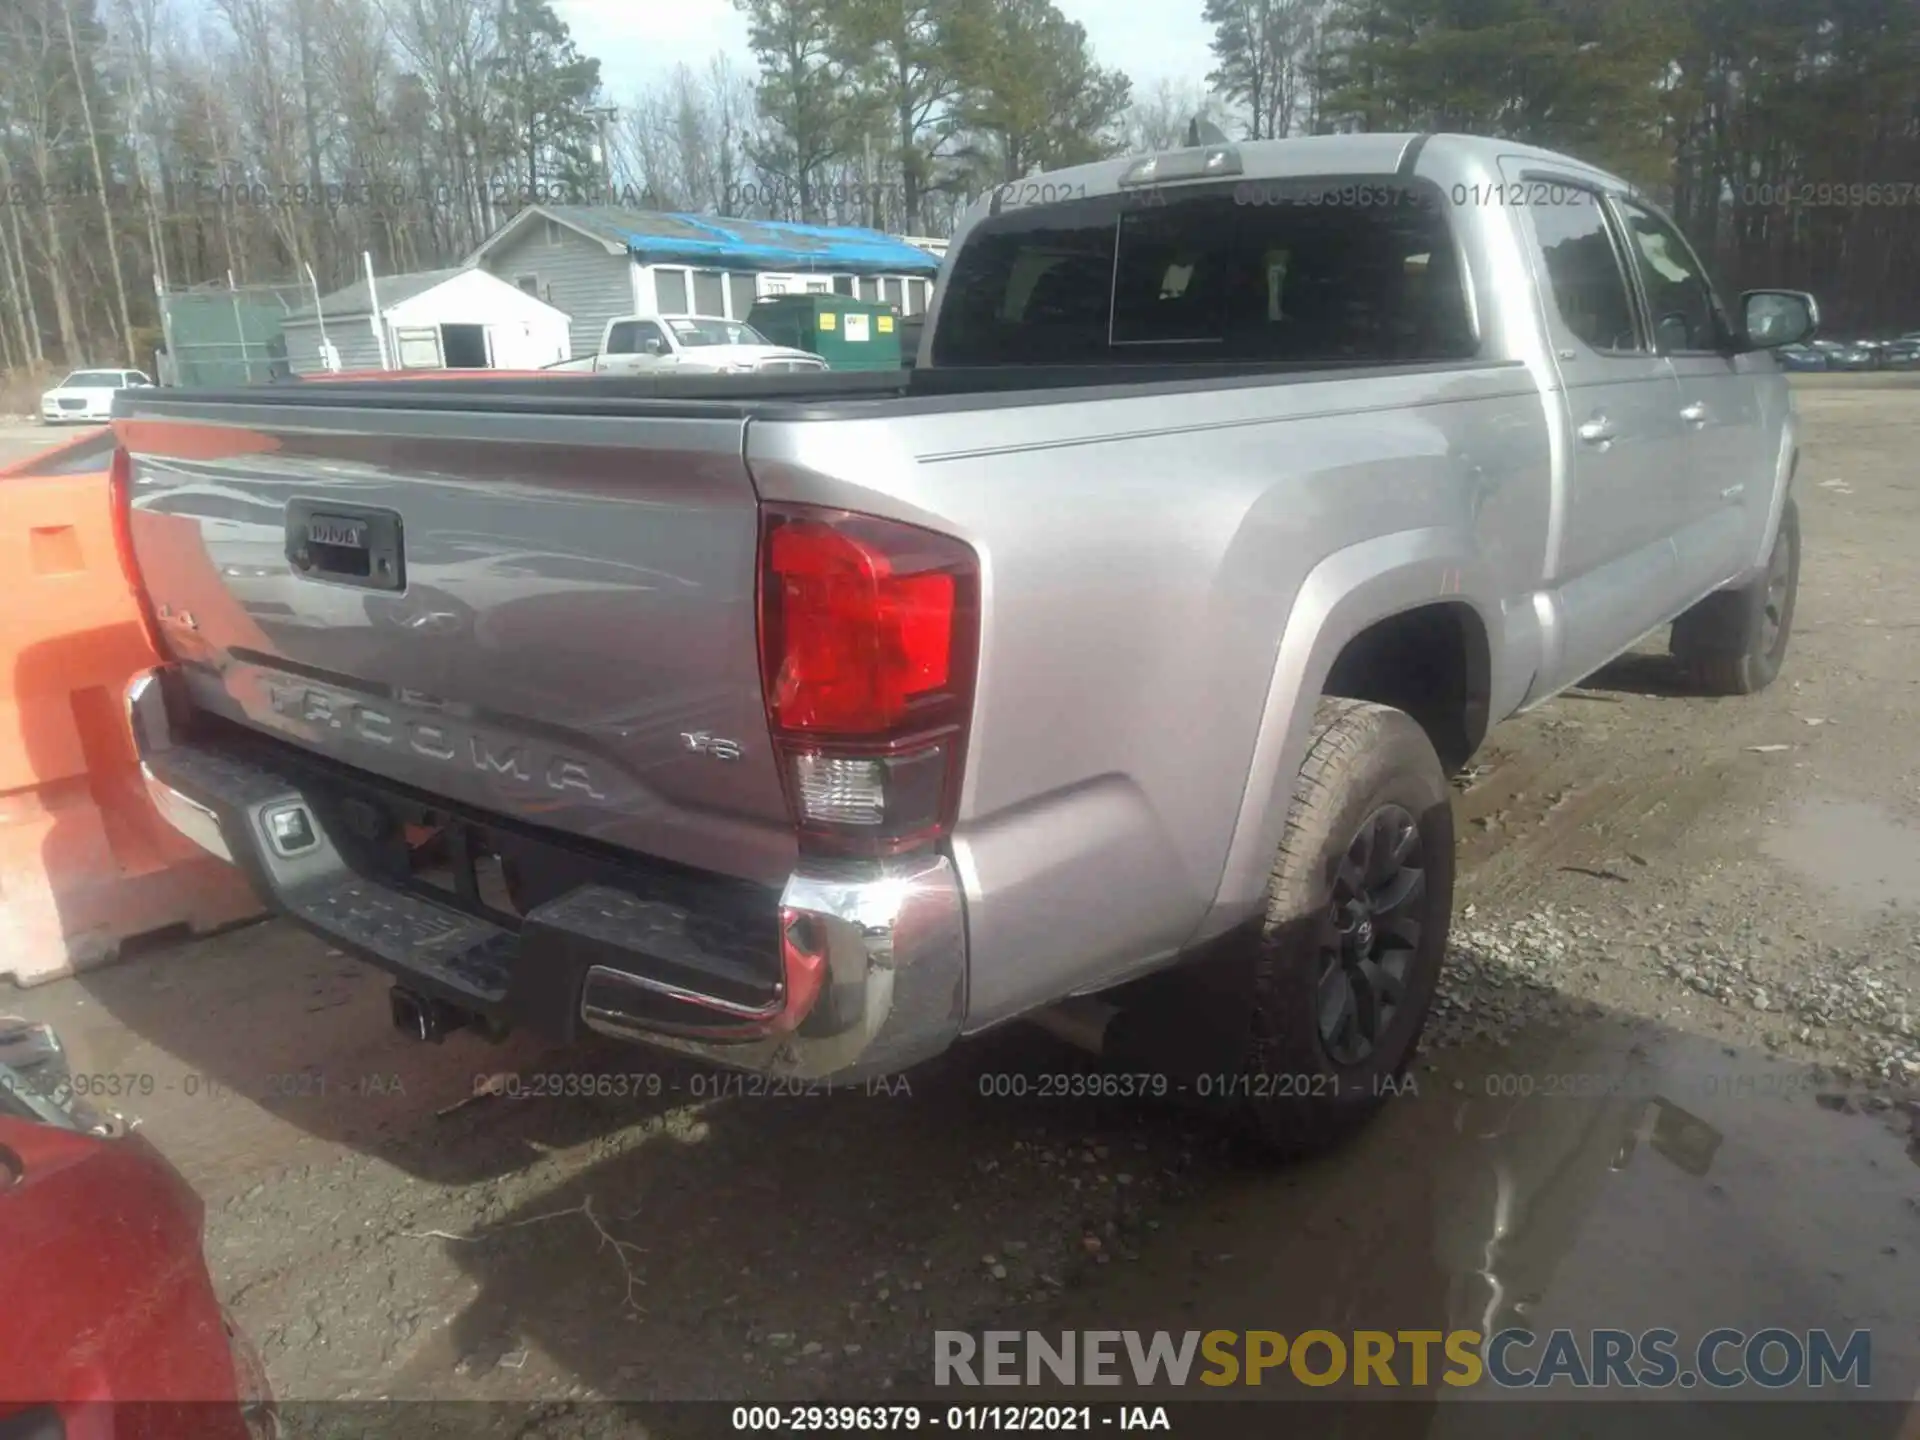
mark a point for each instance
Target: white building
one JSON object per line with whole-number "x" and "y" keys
{"x": 462, "y": 319}
{"x": 934, "y": 245}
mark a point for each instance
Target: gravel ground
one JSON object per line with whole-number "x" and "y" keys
{"x": 1646, "y": 874}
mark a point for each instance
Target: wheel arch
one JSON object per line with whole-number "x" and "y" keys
{"x": 1786, "y": 470}
{"x": 1422, "y": 580}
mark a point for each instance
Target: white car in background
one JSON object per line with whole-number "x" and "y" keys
{"x": 86, "y": 396}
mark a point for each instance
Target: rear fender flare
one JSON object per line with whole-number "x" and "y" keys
{"x": 1343, "y": 595}
{"x": 1786, "y": 467}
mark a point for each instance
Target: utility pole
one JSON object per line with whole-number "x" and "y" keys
{"x": 602, "y": 114}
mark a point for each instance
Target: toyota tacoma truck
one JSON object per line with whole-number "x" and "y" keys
{"x": 1105, "y": 669}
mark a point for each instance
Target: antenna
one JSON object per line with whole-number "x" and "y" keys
{"x": 1204, "y": 132}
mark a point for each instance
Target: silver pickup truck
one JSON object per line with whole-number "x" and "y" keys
{"x": 1106, "y": 669}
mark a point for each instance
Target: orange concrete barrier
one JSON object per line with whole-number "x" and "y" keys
{"x": 85, "y": 863}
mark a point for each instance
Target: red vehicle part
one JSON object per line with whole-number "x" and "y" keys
{"x": 109, "y": 1325}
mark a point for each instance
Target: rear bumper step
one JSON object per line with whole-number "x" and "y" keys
{"x": 870, "y": 957}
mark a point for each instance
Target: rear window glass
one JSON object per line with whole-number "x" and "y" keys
{"x": 1317, "y": 273}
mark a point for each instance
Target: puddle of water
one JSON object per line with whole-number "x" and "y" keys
{"x": 1858, "y": 851}
{"x": 1603, "y": 1176}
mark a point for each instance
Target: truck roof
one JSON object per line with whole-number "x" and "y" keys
{"x": 1458, "y": 157}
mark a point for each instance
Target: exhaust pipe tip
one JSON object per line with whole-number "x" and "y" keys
{"x": 1080, "y": 1022}
{"x": 424, "y": 1018}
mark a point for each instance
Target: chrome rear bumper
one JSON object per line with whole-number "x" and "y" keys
{"x": 872, "y": 956}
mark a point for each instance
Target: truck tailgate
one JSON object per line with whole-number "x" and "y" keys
{"x": 529, "y": 615}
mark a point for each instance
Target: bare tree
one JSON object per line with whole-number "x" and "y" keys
{"x": 82, "y": 83}
{"x": 358, "y": 70}
{"x": 646, "y": 139}
{"x": 262, "y": 82}
{"x": 452, "y": 45}
{"x": 136, "y": 35}
{"x": 682, "y": 143}
{"x": 13, "y": 257}
{"x": 1159, "y": 120}
{"x": 40, "y": 114}
{"x": 1257, "y": 49}
{"x": 730, "y": 98}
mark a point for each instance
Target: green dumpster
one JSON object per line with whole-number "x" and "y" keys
{"x": 848, "y": 334}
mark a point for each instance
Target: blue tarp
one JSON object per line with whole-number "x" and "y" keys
{"x": 749, "y": 244}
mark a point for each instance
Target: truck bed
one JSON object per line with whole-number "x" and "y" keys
{"x": 787, "y": 397}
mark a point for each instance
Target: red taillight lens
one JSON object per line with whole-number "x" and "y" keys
{"x": 858, "y": 622}
{"x": 869, "y": 635}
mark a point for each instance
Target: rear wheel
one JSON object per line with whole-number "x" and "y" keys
{"x": 1358, "y": 910}
{"x": 1301, "y": 1027}
{"x": 1734, "y": 642}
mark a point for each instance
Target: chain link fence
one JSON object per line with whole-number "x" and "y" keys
{"x": 219, "y": 336}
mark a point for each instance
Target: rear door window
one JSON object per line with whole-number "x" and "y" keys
{"x": 1320, "y": 272}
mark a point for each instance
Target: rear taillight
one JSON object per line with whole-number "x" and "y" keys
{"x": 869, "y": 638}
{"x": 120, "y": 497}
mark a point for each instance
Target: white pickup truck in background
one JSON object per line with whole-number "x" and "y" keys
{"x": 689, "y": 345}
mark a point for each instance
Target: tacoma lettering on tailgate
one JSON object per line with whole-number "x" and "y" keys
{"x": 517, "y": 760}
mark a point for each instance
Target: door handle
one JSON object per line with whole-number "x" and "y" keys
{"x": 1732, "y": 493}
{"x": 1694, "y": 414}
{"x": 1596, "y": 431}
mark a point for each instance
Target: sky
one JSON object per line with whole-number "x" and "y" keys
{"x": 637, "y": 40}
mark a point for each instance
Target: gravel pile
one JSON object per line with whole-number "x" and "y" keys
{"x": 1499, "y": 980}
{"x": 1853, "y": 1004}
{"x": 1855, "y": 1009}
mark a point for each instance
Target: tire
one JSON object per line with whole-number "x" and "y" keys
{"x": 1734, "y": 642}
{"x": 1239, "y": 1027}
{"x": 1369, "y": 772}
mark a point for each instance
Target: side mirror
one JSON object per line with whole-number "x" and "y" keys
{"x": 32, "y": 1050}
{"x": 1773, "y": 318}
{"x": 33, "y": 1056}
{"x": 37, "y": 1077}
{"x": 652, "y": 347}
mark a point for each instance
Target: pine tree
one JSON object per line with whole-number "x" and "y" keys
{"x": 1257, "y": 48}
{"x": 1035, "y": 94}
{"x": 545, "y": 94}
{"x": 806, "y": 103}
{"x": 903, "y": 60}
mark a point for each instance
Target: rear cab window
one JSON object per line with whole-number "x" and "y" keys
{"x": 630, "y": 337}
{"x": 1323, "y": 271}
